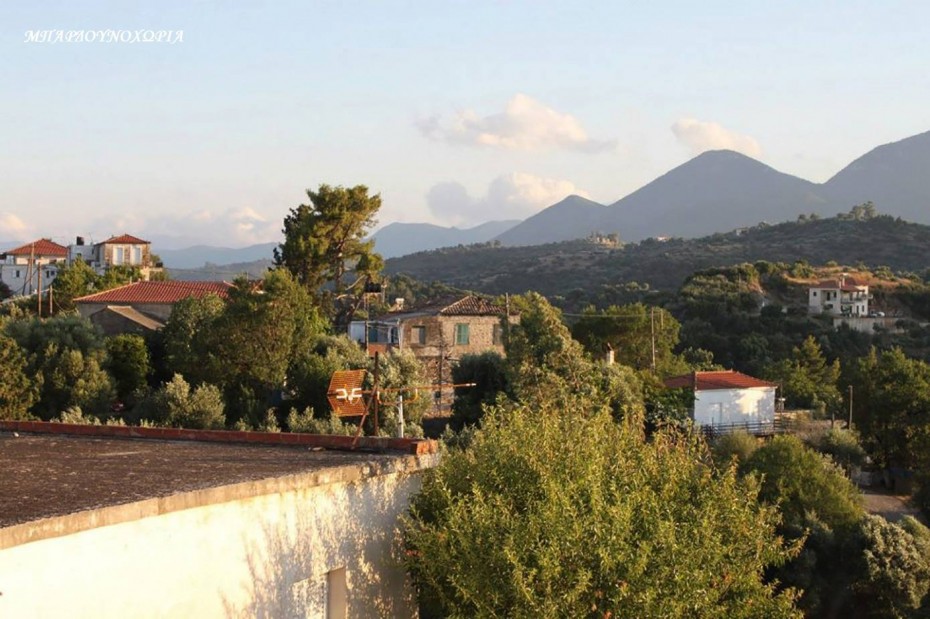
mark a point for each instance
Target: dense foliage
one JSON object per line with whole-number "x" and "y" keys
{"x": 559, "y": 511}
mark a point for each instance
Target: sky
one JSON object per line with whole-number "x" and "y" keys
{"x": 455, "y": 112}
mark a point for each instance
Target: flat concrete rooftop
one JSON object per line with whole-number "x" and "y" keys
{"x": 44, "y": 476}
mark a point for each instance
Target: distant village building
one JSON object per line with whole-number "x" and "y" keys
{"x": 142, "y": 306}
{"x": 32, "y": 266}
{"x": 727, "y": 400}
{"x": 122, "y": 250}
{"x": 437, "y": 334}
{"x": 839, "y": 297}
{"x": 102, "y": 526}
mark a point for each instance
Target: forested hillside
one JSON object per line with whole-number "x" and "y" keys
{"x": 575, "y": 267}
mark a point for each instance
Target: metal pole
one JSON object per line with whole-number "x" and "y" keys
{"x": 850, "y": 406}
{"x": 400, "y": 416}
{"x": 652, "y": 322}
{"x": 375, "y": 394}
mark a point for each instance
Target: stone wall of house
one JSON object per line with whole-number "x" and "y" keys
{"x": 111, "y": 323}
{"x": 158, "y": 311}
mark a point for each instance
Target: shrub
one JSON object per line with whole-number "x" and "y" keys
{"x": 738, "y": 445}
{"x": 558, "y": 512}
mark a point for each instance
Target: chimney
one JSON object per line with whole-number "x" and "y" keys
{"x": 79, "y": 240}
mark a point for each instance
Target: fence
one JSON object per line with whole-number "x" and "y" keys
{"x": 780, "y": 425}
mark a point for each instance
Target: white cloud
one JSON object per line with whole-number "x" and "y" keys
{"x": 235, "y": 227}
{"x": 12, "y": 228}
{"x": 700, "y": 136}
{"x": 525, "y": 124}
{"x": 511, "y": 196}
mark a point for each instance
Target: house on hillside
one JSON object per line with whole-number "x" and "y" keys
{"x": 122, "y": 250}
{"x": 32, "y": 266}
{"x": 142, "y": 306}
{"x": 729, "y": 400}
{"x": 839, "y": 297}
{"x": 438, "y": 334}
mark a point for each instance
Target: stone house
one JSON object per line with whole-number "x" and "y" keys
{"x": 142, "y": 306}
{"x": 437, "y": 334}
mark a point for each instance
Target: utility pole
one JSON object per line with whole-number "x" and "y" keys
{"x": 39, "y": 291}
{"x": 652, "y": 322}
{"x": 850, "y": 407}
{"x": 375, "y": 393}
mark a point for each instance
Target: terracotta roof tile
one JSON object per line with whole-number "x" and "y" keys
{"x": 707, "y": 381}
{"x": 157, "y": 292}
{"x": 42, "y": 247}
{"x": 472, "y": 306}
{"x": 124, "y": 239}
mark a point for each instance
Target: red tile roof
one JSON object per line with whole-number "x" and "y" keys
{"x": 157, "y": 292}
{"x": 472, "y": 306}
{"x": 124, "y": 239}
{"x": 707, "y": 381}
{"x": 42, "y": 247}
{"x": 849, "y": 285}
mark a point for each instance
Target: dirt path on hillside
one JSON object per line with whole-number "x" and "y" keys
{"x": 890, "y": 506}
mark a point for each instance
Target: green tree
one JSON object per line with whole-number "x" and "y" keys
{"x": 892, "y": 407}
{"x": 545, "y": 364}
{"x": 630, "y": 330}
{"x": 260, "y": 331}
{"x": 74, "y": 280}
{"x": 17, "y": 392}
{"x": 559, "y": 511}
{"x": 820, "y": 507}
{"x": 67, "y": 355}
{"x": 486, "y": 371}
{"x": 323, "y": 237}
{"x": 807, "y": 380}
{"x": 897, "y": 568}
{"x": 176, "y": 404}
{"x": 129, "y": 364}
{"x": 187, "y": 338}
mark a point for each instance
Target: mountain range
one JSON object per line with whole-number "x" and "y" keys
{"x": 723, "y": 190}
{"x": 399, "y": 239}
{"x": 716, "y": 191}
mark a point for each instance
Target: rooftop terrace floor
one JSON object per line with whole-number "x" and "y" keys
{"x": 42, "y": 476}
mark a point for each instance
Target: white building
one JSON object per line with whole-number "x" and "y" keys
{"x": 30, "y": 267}
{"x": 842, "y": 297}
{"x": 728, "y": 400}
{"x": 101, "y": 526}
{"x": 122, "y": 250}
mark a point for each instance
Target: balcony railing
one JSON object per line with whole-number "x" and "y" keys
{"x": 780, "y": 425}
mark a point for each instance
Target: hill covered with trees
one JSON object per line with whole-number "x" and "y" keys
{"x": 584, "y": 268}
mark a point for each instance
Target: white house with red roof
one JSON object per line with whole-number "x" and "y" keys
{"x": 142, "y": 306}
{"x": 729, "y": 399}
{"x": 33, "y": 266}
{"x": 839, "y": 297}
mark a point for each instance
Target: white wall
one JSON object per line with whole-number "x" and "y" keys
{"x": 727, "y": 406}
{"x": 267, "y": 555}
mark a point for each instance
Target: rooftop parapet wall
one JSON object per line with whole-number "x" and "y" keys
{"x": 322, "y": 441}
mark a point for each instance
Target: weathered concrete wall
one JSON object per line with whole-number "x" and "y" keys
{"x": 264, "y": 548}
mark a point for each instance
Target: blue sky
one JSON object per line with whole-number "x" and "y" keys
{"x": 456, "y": 112}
